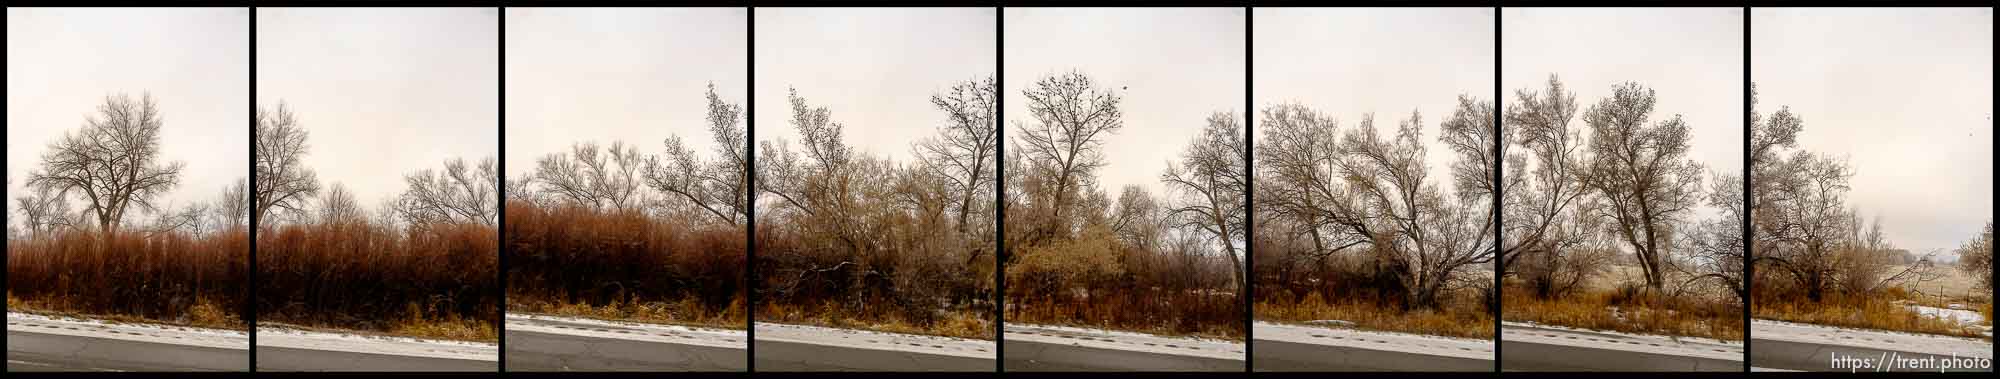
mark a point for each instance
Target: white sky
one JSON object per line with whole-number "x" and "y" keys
{"x": 62, "y": 62}
{"x": 1691, "y": 57}
{"x": 1905, "y": 95}
{"x": 874, "y": 68}
{"x": 637, "y": 75}
{"x": 1347, "y": 62}
{"x": 1175, "y": 65}
{"x": 384, "y": 91}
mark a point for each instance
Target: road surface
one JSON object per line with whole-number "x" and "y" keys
{"x": 784, "y": 347}
{"x": 1807, "y": 347}
{"x": 1286, "y": 347}
{"x": 1058, "y": 348}
{"x": 1535, "y": 347}
{"x": 550, "y": 343}
{"x": 44, "y": 343}
{"x": 283, "y": 349}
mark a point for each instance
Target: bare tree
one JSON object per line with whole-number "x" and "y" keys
{"x": 592, "y": 175}
{"x": 1975, "y": 257}
{"x": 44, "y": 212}
{"x": 720, "y": 187}
{"x": 812, "y": 183}
{"x": 1072, "y": 117}
{"x": 1302, "y": 180}
{"x": 114, "y": 162}
{"x": 1426, "y": 236}
{"x": 1540, "y": 205}
{"x": 1211, "y": 178}
{"x": 458, "y": 194}
{"x": 1717, "y": 243}
{"x": 1806, "y": 220}
{"x": 340, "y": 207}
{"x": 283, "y": 180}
{"x": 232, "y": 206}
{"x": 1639, "y": 172}
{"x": 1136, "y": 218}
{"x": 963, "y": 151}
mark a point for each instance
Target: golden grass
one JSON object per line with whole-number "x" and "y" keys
{"x": 1640, "y": 314}
{"x": 204, "y": 314}
{"x": 687, "y": 311}
{"x": 1874, "y": 311}
{"x": 970, "y": 324}
{"x": 1463, "y": 318}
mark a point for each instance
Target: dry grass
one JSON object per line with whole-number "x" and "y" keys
{"x": 833, "y": 314}
{"x": 1874, "y": 311}
{"x": 168, "y": 277}
{"x": 624, "y": 265}
{"x": 1462, "y": 317}
{"x": 1099, "y": 280}
{"x": 432, "y": 281}
{"x": 1178, "y": 313}
{"x": 1629, "y": 310}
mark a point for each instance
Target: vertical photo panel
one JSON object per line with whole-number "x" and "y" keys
{"x": 877, "y": 152}
{"x": 1871, "y": 163}
{"x": 627, "y": 183}
{"x": 127, "y": 244}
{"x": 1622, "y": 248}
{"x": 377, "y": 189}
{"x": 1126, "y": 183}
{"x": 1374, "y": 243}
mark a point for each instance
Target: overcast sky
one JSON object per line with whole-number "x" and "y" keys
{"x": 1691, "y": 57}
{"x": 1905, "y": 95}
{"x": 1347, "y": 62}
{"x": 637, "y": 75}
{"x": 62, "y": 62}
{"x": 384, "y": 92}
{"x": 874, "y": 68}
{"x": 1173, "y": 66}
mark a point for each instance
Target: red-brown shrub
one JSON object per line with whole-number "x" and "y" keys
{"x": 571, "y": 254}
{"x": 357, "y": 275}
{"x": 161, "y": 276}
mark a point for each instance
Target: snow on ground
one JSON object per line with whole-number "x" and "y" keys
{"x": 869, "y": 339}
{"x": 1961, "y": 316}
{"x": 1118, "y": 339}
{"x": 666, "y": 333}
{"x": 130, "y": 331}
{"x": 1406, "y": 342}
{"x": 376, "y": 344}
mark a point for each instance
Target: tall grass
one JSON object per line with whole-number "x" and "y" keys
{"x": 168, "y": 277}
{"x": 1629, "y": 309}
{"x": 1097, "y": 280}
{"x": 1879, "y": 310}
{"x": 580, "y": 261}
{"x": 434, "y": 280}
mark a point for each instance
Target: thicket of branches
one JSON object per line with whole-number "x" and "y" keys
{"x": 1617, "y": 190}
{"x": 124, "y": 254}
{"x": 424, "y": 262}
{"x": 1811, "y": 243}
{"x": 1167, "y": 263}
{"x": 609, "y": 231}
{"x": 1353, "y": 213}
{"x": 848, "y": 238}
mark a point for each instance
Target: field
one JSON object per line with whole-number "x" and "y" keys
{"x": 1886, "y": 308}
{"x": 623, "y": 265}
{"x": 164, "y": 277}
{"x": 436, "y": 280}
{"x": 1615, "y": 301}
